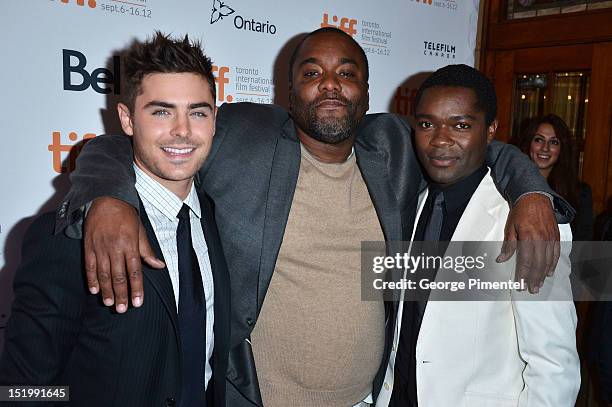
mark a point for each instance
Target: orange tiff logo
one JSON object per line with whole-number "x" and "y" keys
{"x": 423, "y": 1}
{"x": 72, "y": 150}
{"x": 90, "y": 3}
{"x": 222, "y": 80}
{"x": 346, "y": 24}
{"x": 403, "y": 101}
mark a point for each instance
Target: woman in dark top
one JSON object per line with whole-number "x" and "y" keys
{"x": 548, "y": 142}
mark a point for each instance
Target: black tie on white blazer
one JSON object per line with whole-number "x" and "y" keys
{"x": 191, "y": 316}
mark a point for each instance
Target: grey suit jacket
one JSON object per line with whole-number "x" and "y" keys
{"x": 251, "y": 175}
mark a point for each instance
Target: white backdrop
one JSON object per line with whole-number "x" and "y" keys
{"x": 59, "y": 79}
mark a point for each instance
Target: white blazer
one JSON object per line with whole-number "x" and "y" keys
{"x": 495, "y": 353}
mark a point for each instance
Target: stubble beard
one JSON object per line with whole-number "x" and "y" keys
{"x": 328, "y": 130}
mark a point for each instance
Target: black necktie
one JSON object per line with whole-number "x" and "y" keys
{"x": 434, "y": 224}
{"x": 191, "y": 316}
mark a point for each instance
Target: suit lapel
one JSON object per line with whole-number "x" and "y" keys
{"x": 478, "y": 223}
{"x": 479, "y": 218}
{"x": 160, "y": 279}
{"x": 221, "y": 286}
{"x": 375, "y": 175}
{"x": 283, "y": 179}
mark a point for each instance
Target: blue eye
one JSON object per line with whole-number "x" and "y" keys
{"x": 199, "y": 114}
{"x": 161, "y": 112}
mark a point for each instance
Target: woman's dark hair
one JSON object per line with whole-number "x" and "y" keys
{"x": 563, "y": 177}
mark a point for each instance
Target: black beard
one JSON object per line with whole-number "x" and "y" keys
{"x": 326, "y": 130}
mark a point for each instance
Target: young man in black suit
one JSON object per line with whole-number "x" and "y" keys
{"x": 173, "y": 349}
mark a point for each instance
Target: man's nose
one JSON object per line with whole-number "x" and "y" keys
{"x": 442, "y": 137}
{"x": 329, "y": 82}
{"x": 181, "y": 126}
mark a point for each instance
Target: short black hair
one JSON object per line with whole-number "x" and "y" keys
{"x": 323, "y": 31}
{"x": 464, "y": 76}
{"x": 162, "y": 54}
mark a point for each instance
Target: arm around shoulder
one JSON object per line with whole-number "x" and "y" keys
{"x": 104, "y": 168}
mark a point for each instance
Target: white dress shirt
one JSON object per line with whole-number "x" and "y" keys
{"x": 162, "y": 207}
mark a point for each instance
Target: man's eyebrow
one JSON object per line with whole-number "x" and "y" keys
{"x": 200, "y": 104}
{"x": 463, "y": 116}
{"x": 343, "y": 61}
{"x": 348, "y": 61}
{"x": 310, "y": 60}
{"x": 456, "y": 117}
{"x": 159, "y": 103}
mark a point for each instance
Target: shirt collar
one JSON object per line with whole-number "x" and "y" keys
{"x": 162, "y": 199}
{"x": 459, "y": 194}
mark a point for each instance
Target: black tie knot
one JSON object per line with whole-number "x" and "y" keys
{"x": 183, "y": 213}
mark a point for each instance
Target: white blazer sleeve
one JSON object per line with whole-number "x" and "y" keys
{"x": 546, "y": 331}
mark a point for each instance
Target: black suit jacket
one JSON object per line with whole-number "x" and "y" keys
{"x": 251, "y": 174}
{"x": 59, "y": 334}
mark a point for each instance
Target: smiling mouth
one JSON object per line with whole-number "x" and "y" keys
{"x": 543, "y": 156}
{"x": 178, "y": 152}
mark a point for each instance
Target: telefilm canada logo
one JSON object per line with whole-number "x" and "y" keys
{"x": 222, "y": 10}
{"x": 439, "y": 50}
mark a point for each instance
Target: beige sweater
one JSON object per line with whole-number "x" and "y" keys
{"x": 315, "y": 342}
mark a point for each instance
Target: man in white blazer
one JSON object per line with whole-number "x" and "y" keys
{"x": 517, "y": 351}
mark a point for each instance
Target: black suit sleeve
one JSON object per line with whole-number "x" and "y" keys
{"x": 49, "y": 297}
{"x": 515, "y": 175}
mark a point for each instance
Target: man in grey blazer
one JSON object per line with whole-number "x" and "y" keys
{"x": 294, "y": 194}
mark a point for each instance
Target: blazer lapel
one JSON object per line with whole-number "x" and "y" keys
{"x": 283, "y": 179}
{"x": 377, "y": 180}
{"x": 478, "y": 222}
{"x": 160, "y": 279}
{"x": 222, "y": 294}
{"x": 479, "y": 218}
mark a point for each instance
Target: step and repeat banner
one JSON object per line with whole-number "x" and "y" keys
{"x": 61, "y": 78}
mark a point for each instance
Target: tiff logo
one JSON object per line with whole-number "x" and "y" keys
{"x": 90, "y": 3}
{"x": 346, "y": 24}
{"x": 221, "y": 80}
{"x": 58, "y": 150}
{"x": 403, "y": 101}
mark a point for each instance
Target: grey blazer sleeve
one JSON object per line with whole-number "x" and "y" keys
{"x": 104, "y": 168}
{"x": 515, "y": 175}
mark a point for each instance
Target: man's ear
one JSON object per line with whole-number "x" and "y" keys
{"x": 491, "y": 130}
{"x": 125, "y": 117}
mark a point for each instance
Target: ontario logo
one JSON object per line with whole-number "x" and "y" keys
{"x": 90, "y": 3}
{"x": 221, "y": 9}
